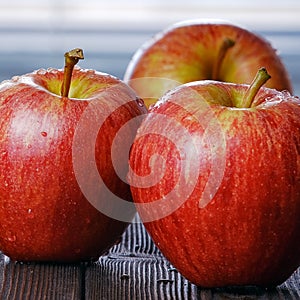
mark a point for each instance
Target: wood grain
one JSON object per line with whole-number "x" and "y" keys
{"x": 134, "y": 269}
{"x": 39, "y": 281}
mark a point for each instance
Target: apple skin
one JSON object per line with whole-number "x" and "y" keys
{"x": 248, "y": 233}
{"x": 44, "y": 216}
{"x": 188, "y": 50}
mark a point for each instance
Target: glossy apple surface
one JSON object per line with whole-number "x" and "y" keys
{"x": 190, "y": 51}
{"x": 225, "y": 207}
{"x": 44, "y": 215}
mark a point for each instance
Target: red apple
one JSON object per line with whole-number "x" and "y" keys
{"x": 44, "y": 213}
{"x": 202, "y": 49}
{"x": 215, "y": 175}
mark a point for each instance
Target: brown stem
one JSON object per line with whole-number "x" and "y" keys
{"x": 227, "y": 44}
{"x": 71, "y": 59}
{"x": 260, "y": 79}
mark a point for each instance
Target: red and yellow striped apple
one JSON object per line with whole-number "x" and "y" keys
{"x": 44, "y": 215}
{"x": 223, "y": 202}
{"x": 202, "y": 49}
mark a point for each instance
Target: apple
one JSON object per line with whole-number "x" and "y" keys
{"x": 215, "y": 175}
{"x": 44, "y": 213}
{"x": 202, "y": 49}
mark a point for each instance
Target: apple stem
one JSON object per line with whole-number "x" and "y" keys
{"x": 226, "y": 45}
{"x": 71, "y": 59}
{"x": 259, "y": 80}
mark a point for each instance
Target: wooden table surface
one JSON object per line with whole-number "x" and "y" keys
{"x": 133, "y": 269}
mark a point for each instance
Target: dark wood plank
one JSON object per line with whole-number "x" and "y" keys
{"x": 135, "y": 269}
{"x": 36, "y": 281}
{"x": 287, "y": 291}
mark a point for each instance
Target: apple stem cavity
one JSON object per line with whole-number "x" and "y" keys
{"x": 261, "y": 77}
{"x": 71, "y": 59}
{"x": 226, "y": 45}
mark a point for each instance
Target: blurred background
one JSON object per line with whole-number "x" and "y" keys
{"x": 36, "y": 33}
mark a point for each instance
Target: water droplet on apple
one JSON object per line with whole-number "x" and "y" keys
{"x": 286, "y": 93}
{"x": 50, "y": 70}
{"x": 4, "y": 153}
{"x": 11, "y": 237}
{"x": 30, "y": 213}
{"x": 267, "y": 99}
{"x": 44, "y": 133}
{"x": 188, "y": 118}
{"x": 15, "y": 78}
{"x": 41, "y": 72}
{"x": 6, "y": 259}
{"x": 140, "y": 102}
{"x": 151, "y": 106}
